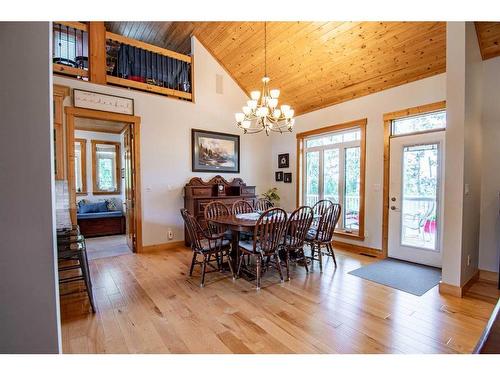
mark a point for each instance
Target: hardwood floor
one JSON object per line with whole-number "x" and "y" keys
{"x": 147, "y": 304}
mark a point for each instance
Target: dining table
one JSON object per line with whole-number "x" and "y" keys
{"x": 238, "y": 224}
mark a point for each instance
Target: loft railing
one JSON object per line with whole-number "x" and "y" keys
{"x": 70, "y": 49}
{"x": 142, "y": 66}
{"x": 89, "y": 52}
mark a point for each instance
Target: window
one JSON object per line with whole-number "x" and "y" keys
{"x": 81, "y": 166}
{"x": 333, "y": 168}
{"x": 419, "y": 123}
{"x": 106, "y": 167}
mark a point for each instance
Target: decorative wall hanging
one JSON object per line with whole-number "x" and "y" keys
{"x": 215, "y": 152}
{"x": 102, "y": 102}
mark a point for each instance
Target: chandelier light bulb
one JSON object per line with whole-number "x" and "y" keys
{"x": 255, "y": 95}
{"x": 276, "y": 113}
{"x": 262, "y": 111}
{"x": 239, "y": 117}
{"x": 252, "y": 104}
{"x": 275, "y": 93}
{"x": 285, "y": 108}
{"x": 273, "y": 102}
{"x": 289, "y": 114}
{"x": 246, "y": 124}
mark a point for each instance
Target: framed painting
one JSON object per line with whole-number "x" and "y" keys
{"x": 215, "y": 152}
{"x": 283, "y": 160}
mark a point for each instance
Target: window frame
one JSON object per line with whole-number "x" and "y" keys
{"x": 95, "y": 188}
{"x": 83, "y": 165}
{"x": 301, "y": 150}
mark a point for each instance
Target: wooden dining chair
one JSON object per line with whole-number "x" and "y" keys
{"x": 298, "y": 225}
{"x": 322, "y": 235}
{"x": 205, "y": 244}
{"x": 263, "y": 204}
{"x": 241, "y": 207}
{"x": 212, "y": 211}
{"x": 268, "y": 235}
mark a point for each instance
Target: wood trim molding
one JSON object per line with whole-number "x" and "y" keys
{"x": 147, "y": 87}
{"x": 458, "y": 291}
{"x": 61, "y": 90}
{"x": 83, "y": 148}
{"x": 69, "y": 70}
{"x": 333, "y": 128}
{"x": 97, "y": 52}
{"x": 388, "y": 118}
{"x": 363, "y": 250}
{"x": 135, "y": 122}
{"x": 361, "y": 123}
{"x": 488, "y": 276}
{"x": 76, "y": 25}
{"x": 147, "y": 46}
{"x": 164, "y": 246}
{"x": 93, "y": 150}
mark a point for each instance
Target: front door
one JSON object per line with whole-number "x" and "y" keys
{"x": 415, "y": 198}
{"x": 128, "y": 146}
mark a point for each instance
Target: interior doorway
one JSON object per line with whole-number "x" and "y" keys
{"x": 113, "y": 140}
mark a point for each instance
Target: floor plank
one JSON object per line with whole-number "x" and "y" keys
{"x": 146, "y": 303}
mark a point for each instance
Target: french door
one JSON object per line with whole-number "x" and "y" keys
{"x": 415, "y": 198}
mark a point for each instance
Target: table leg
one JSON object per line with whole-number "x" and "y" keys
{"x": 235, "y": 249}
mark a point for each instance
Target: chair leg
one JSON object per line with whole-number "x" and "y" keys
{"x": 239, "y": 264}
{"x": 84, "y": 265}
{"x": 305, "y": 260}
{"x": 203, "y": 267}
{"x": 258, "y": 261}
{"x": 193, "y": 261}
{"x": 278, "y": 265}
{"x": 320, "y": 259}
{"x": 330, "y": 248}
{"x": 287, "y": 263}
{"x": 229, "y": 261}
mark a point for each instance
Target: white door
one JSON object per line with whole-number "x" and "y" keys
{"x": 415, "y": 198}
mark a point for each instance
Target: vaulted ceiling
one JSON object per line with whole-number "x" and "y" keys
{"x": 315, "y": 64}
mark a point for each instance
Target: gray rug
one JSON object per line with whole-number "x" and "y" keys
{"x": 409, "y": 277}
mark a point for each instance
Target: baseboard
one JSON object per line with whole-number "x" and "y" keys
{"x": 162, "y": 246}
{"x": 488, "y": 276}
{"x": 458, "y": 291}
{"x": 363, "y": 250}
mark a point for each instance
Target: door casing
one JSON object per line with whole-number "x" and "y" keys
{"x": 135, "y": 123}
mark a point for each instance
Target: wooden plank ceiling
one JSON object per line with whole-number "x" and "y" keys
{"x": 488, "y": 34}
{"x": 315, "y": 64}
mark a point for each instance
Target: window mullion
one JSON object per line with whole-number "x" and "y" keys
{"x": 342, "y": 184}
{"x": 321, "y": 174}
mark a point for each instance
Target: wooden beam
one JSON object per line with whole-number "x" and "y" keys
{"x": 97, "y": 52}
{"x": 76, "y": 25}
{"x": 148, "y": 47}
{"x": 146, "y": 87}
{"x": 69, "y": 70}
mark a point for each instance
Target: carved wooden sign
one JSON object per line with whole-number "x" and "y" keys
{"x": 102, "y": 102}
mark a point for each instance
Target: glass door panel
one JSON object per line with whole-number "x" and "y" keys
{"x": 352, "y": 188}
{"x": 331, "y": 174}
{"x": 312, "y": 178}
{"x": 419, "y": 196}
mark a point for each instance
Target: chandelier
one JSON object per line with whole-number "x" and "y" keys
{"x": 262, "y": 112}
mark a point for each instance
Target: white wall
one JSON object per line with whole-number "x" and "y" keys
{"x": 472, "y": 154}
{"x": 372, "y": 107}
{"x": 89, "y": 136}
{"x": 29, "y": 321}
{"x": 166, "y": 142}
{"x": 489, "y": 245}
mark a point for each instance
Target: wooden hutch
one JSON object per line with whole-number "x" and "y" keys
{"x": 198, "y": 193}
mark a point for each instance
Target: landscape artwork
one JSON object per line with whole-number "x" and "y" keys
{"x": 212, "y": 151}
